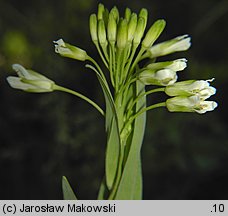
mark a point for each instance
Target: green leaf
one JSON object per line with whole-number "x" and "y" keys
{"x": 68, "y": 193}
{"x": 112, "y": 128}
{"x": 103, "y": 191}
{"x": 112, "y": 154}
{"x": 130, "y": 187}
{"x": 113, "y": 142}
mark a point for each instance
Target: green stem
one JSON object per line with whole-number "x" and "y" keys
{"x": 118, "y": 176}
{"x": 131, "y": 119}
{"x": 145, "y": 94}
{"x": 98, "y": 68}
{"x": 111, "y": 64}
{"x": 101, "y": 55}
{"x": 63, "y": 89}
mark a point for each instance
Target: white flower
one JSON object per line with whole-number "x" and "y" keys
{"x": 190, "y": 104}
{"x": 30, "y": 81}
{"x": 176, "y": 65}
{"x": 162, "y": 77}
{"x": 191, "y": 87}
{"x": 177, "y": 44}
{"x": 67, "y": 50}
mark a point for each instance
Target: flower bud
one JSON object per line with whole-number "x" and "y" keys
{"x": 153, "y": 33}
{"x": 122, "y": 34}
{"x": 112, "y": 28}
{"x": 177, "y": 44}
{"x": 100, "y": 11}
{"x": 115, "y": 13}
{"x": 93, "y": 27}
{"x": 102, "y": 33}
{"x": 144, "y": 14}
{"x": 67, "y": 50}
{"x": 139, "y": 31}
{"x": 201, "y": 88}
{"x": 132, "y": 27}
{"x": 162, "y": 77}
{"x": 30, "y": 81}
{"x": 127, "y": 14}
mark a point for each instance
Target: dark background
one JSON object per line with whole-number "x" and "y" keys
{"x": 45, "y": 136}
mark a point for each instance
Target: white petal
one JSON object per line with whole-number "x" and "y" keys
{"x": 15, "y": 82}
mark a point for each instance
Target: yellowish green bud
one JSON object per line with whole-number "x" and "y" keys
{"x": 93, "y": 27}
{"x": 106, "y": 16}
{"x": 30, "y": 81}
{"x": 132, "y": 27}
{"x": 127, "y": 14}
{"x": 100, "y": 11}
{"x": 122, "y": 34}
{"x": 139, "y": 31}
{"x": 144, "y": 14}
{"x": 67, "y": 50}
{"x": 115, "y": 13}
{"x": 102, "y": 33}
{"x": 153, "y": 33}
{"x": 112, "y": 28}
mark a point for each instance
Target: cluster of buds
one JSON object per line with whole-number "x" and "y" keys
{"x": 117, "y": 39}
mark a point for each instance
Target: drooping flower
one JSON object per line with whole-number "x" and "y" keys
{"x": 162, "y": 77}
{"x": 190, "y": 104}
{"x": 191, "y": 87}
{"x": 30, "y": 81}
{"x": 176, "y": 65}
{"x": 67, "y": 50}
{"x": 177, "y": 44}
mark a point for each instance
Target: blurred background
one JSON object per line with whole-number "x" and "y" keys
{"x": 45, "y": 136}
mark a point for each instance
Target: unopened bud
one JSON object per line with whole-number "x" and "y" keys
{"x": 115, "y": 13}
{"x": 93, "y": 27}
{"x": 112, "y": 28}
{"x": 139, "y": 31}
{"x": 144, "y": 14}
{"x": 153, "y": 33}
{"x": 132, "y": 27}
{"x": 100, "y": 11}
{"x": 101, "y": 32}
{"x": 122, "y": 34}
{"x": 127, "y": 14}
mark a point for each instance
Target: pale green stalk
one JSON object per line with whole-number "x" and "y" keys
{"x": 63, "y": 89}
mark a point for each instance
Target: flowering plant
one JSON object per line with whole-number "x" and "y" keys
{"x": 123, "y": 47}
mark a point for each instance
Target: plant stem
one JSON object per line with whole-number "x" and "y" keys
{"x": 131, "y": 119}
{"x": 63, "y": 89}
{"x": 144, "y": 94}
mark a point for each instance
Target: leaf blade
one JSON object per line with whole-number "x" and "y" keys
{"x": 68, "y": 193}
{"x": 130, "y": 187}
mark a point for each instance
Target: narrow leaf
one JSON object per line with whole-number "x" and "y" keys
{"x": 68, "y": 193}
{"x": 112, "y": 128}
{"x": 130, "y": 187}
{"x": 103, "y": 191}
